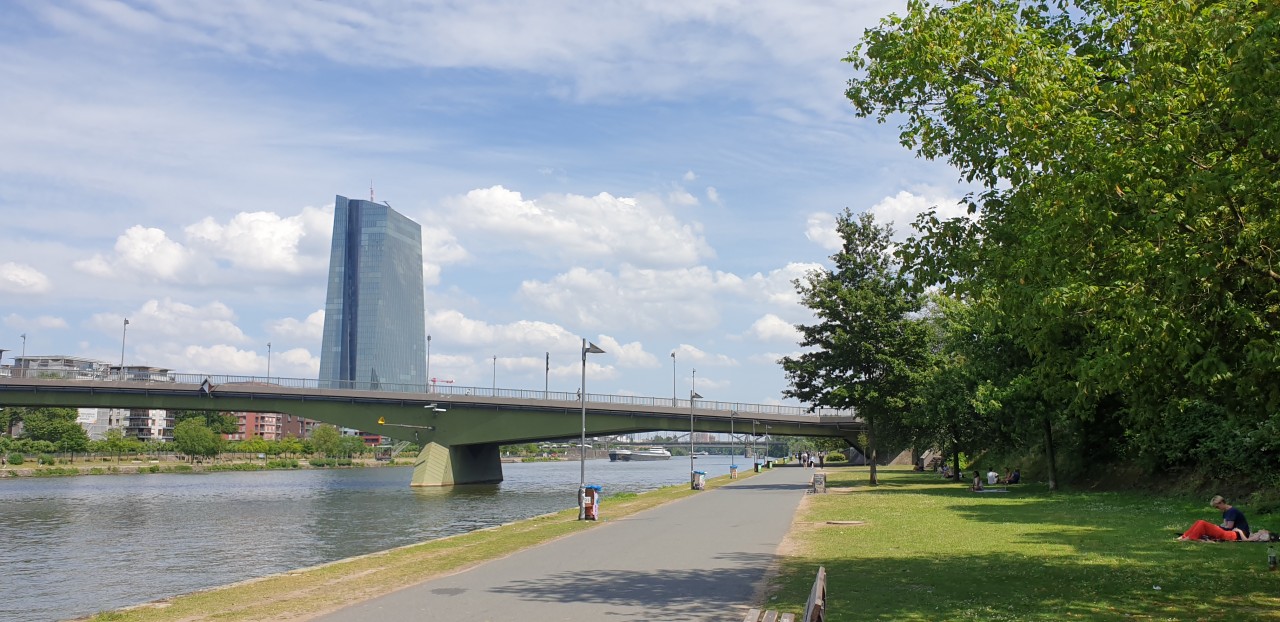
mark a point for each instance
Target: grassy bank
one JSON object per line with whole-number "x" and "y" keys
{"x": 310, "y": 592}
{"x": 931, "y": 550}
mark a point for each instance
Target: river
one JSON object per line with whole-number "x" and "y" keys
{"x": 73, "y": 546}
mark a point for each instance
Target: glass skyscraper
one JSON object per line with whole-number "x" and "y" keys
{"x": 374, "y": 315}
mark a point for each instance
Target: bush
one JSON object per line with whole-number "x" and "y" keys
{"x": 836, "y": 456}
{"x": 16, "y": 458}
{"x": 237, "y": 466}
{"x": 46, "y": 459}
{"x": 55, "y": 472}
{"x": 181, "y": 468}
{"x": 155, "y": 468}
{"x": 282, "y": 464}
{"x": 97, "y": 471}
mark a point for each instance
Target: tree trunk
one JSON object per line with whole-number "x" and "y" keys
{"x": 1048, "y": 448}
{"x": 871, "y": 452}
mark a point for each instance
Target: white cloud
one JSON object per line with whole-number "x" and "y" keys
{"x": 14, "y": 320}
{"x": 439, "y": 248}
{"x": 681, "y": 197}
{"x": 687, "y": 355}
{"x": 821, "y": 230}
{"x": 310, "y": 329}
{"x": 713, "y": 195}
{"x": 16, "y": 278}
{"x": 901, "y": 210}
{"x": 773, "y": 328}
{"x": 564, "y": 226}
{"x": 689, "y": 176}
{"x": 456, "y": 328}
{"x": 642, "y": 299}
{"x": 171, "y": 320}
{"x": 144, "y": 251}
{"x": 49, "y": 321}
{"x": 778, "y": 287}
{"x": 626, "y": 354}
{"x": 265, "y": 241}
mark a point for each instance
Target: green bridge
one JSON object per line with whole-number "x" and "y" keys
{"x": 459, "y": 429}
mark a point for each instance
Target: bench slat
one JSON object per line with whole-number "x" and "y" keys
{"x": 770, "y": 616}
{"x": 753, "y": 615}
{"x": 787, "y": 617}
{"x": 816, "y": 609}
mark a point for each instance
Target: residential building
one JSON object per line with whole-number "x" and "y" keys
{"x": 96, "y": 421}
{"x": 374, "y": 324}
{"x": 147, "y": 424}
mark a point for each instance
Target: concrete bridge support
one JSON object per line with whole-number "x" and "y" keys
{"x": 441, "y": 465}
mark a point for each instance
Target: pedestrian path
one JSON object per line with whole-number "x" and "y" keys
{"x": 694, "y": 559}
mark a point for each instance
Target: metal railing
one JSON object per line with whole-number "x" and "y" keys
{"x": 740, "y": 408}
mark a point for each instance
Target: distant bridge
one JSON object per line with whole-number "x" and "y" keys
{"x": 460, "y": 429}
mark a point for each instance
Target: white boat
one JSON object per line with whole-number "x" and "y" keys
{"x": 619, "y": 454}
{"x": 647, "y": 453}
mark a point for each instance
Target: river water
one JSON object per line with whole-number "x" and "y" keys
{"x": 73, "y": 546}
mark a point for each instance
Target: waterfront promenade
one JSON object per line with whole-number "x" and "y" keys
{"x": 699, "y": 558}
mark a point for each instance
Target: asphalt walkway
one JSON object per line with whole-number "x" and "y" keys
{"x": 699, "y": 558}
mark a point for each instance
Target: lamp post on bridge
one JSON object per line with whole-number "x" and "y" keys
{"x": 428, "y": 376}
{"x": 673, "y": 379}
{"x": 268, "y": 361}
{"x": 587, "y": 348}
{"x": 693, "y": 395}
{"x": 123, "y": 333}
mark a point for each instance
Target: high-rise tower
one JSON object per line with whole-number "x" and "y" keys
{"x": 374, "y": 316}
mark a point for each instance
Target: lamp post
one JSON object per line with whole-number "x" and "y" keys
{"x": 587, "y": 348}
{"x": 123, "y": 333}
{"x": 495, "y": 375}
{"x": 428, "y": 376}
{"x": 673, "y": 378}
{"x": 24, "y": 345}
{"x": 693, "y": 395}
{"x": 732, "y": 414}
{"x": 546, "y": 379}
{"x": 268, "y": 361}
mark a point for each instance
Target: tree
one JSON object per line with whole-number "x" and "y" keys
{"x": 326, "y": 439}
{"x": 193, "y": 438}
{"x": 219, "y": 422}
{"x": 1125, "y": 233}
{"x": 866, "y": 342}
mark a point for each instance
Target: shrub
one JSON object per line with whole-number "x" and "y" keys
{"x": 46, "y": 459}
{"x": 16, "y": 458}
{"x": 836, "y": 456}
{"x": 97, "y": 471}
{"x": 282, "y": 464}
{"x": 55, "y": 472}
{"x": 155, "y": 468}
{"x": 181, "y": 468}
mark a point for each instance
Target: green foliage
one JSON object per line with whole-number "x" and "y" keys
{"x": 154, "y": 468}
{"x": 290, "y": 463}
{"x": 236, "y": 466}
{"x": 16, "y": 458}
{"x": 193, "y": 438}
{"x": 866, "y": 342}
{"x": 836, "y": 456}
{"x": 220, "y": 423}
{"x": 55, "y": 472}
{"x": 46, "y": 459}
{"x": 1124, "y": 239}
{"x": 327, "y": 440}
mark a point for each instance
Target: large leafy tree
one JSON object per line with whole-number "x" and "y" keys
{"x": 867, "y": 342}
{"x": 219, "y": 422}
{"x": 193, "y": 438}
{"x": 57, "y": 426}
{"x": 1129, "y": 151}
{"x": 327, "y": 440}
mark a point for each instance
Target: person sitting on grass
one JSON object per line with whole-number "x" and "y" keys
{"x": 1014, "y": 477}
{"x": 976, "y": 486}
{"x": 1234, "y": 527}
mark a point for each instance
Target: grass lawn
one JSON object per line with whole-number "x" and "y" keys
{"x": 932, "y": 550}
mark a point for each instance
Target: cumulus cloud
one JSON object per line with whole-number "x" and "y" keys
{"x": 693, "y": 356}
{"x": 713, "y": 195}
{"x": 901, "y": 210}
{"x": 142, "y": 251}
{"x": 644, "y": 299}
{"x": 778, "y": 287}
{"x": 17, "y": 278}
{"x": 820, "y": 228}
{"x": 309, "y": 329}
{"x": 439, "y": 248}
{"x": 264, "y": 241}
{"x": 172, "y": 320}
{"x": 627, "y": 354}
{"x": 773, "y": 328}
{"x": 574, "y": 227}
{"x": 454, "y": 326}
{"x": 14, "y": 320}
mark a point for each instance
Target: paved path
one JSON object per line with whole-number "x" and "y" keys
{"x": 699, "y": 558}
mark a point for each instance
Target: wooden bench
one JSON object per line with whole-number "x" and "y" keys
{"x": 815, "y": 610}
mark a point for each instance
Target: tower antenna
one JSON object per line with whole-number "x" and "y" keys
{"x": 371, "y": 191}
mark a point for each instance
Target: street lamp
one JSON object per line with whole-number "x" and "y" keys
{"x": 495, "y": 375}
{"x": 428, "y": 362}
{"x": 268, "y": 361}
{"x": 24, "y": 345}
{"x": 123, "y": 333}
{"x": 673, "y": 378}
{"x": 546, "y": 379}
{"x": 732, "y": 414}
{"x": 587, "y": 348}
{"x": 693, "y": 480}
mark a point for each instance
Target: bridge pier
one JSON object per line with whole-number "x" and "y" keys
{"x": 449, "y": 465}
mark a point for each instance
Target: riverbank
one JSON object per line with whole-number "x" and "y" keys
{"x": 309, "y": 592}
{"x": 136, "y": 467}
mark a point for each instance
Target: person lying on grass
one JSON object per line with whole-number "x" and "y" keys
{"x": 1234, "y": 527}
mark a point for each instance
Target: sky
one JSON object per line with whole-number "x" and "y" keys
{"x": 650, "y": 176}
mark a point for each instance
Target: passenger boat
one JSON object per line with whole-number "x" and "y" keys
{"x": 619, "y": 454}
{"x": 647, "y": 453}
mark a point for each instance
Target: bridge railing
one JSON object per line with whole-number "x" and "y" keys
{"x": 742, "y": 409}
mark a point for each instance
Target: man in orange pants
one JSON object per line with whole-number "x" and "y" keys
{"x": 1234, "y": 527}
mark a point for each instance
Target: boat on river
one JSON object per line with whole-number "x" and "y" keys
{"x": 616, "y": 455}
{"x": 641, "y": 454}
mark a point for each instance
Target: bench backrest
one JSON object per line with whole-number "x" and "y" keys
{"x": 815, "y": 610}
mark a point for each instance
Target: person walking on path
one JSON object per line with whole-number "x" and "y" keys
{"x": 699, "y": 558}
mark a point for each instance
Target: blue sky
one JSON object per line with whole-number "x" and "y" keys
{"x": 648, "y": 175}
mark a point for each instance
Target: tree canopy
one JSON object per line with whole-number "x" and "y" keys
{"x": 1124, "y": 241}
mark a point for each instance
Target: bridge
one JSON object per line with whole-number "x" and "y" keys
{"x": 460, "y": 429}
